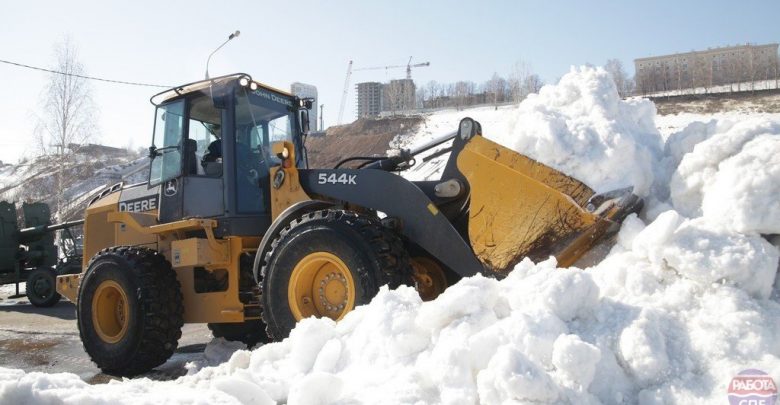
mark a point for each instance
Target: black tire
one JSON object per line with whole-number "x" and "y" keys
{"x": 374, "y": 255}
{"x": 154, "y": 310}
{"x": 250, "y": 332}
{"x": 41, "y": 287}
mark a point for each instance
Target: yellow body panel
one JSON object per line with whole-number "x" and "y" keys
{"x": 289, "y": 191}
{"x": 105, "y": 227}
{"x": 99, "y": 233}
{"x": 68, "y": 286}
{"x": 198, "y": 252}
{"x": 218, "y": 306}
{"x": 522, "y": 208}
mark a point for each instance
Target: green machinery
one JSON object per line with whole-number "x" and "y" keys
{"x": 30, "y": 254}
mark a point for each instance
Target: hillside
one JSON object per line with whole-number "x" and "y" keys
{"x": 764, "y": 101}
{"x": 91, "y": 169}
{"x": 364, "y": 137}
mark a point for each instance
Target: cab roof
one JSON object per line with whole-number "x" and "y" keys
{"x": 177, "y": 91}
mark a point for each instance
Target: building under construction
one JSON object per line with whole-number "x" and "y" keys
{"x": 369, "y": 99}
{"x": 374, "y": 98}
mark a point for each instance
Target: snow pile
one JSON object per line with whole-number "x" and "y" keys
{"x": 730, "y": 171}
{"x": 685, "y": 299}
{"x": 579, "y": 126}
{"x": 582, "y": 128}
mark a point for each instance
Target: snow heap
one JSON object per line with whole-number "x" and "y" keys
{"x": 685, "y": 299}
{"x": 730, "y": 172}
{"x": 579, "y": 126}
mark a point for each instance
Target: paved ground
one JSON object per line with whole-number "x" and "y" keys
{"x": 47, "y": 339}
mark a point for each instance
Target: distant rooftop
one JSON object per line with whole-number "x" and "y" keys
{"x": 708, "y": 50}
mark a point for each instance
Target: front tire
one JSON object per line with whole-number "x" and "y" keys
{"x": 326, "y": 263}
{"x": 40, "y": 287}
{"x": 129, "y": 310}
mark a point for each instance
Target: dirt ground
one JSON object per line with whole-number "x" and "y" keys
{"x": 47, "y": 340}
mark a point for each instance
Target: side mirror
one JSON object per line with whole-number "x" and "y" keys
{"x": 304, "y": 121}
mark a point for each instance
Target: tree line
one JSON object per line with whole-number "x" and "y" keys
{"x": 498, "y": 90}
{"x": 521, "y": 82}
{"x": 744, "y": 68}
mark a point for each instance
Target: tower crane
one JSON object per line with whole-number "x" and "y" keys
{"x": 408, "y": 67}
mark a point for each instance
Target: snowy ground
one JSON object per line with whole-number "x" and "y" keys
{"x": 685, "y": 300}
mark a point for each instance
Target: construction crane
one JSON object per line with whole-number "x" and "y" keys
{"x": 408, "y": 67}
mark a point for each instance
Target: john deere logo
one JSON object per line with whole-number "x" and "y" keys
{"x": 171, "y": 188}
{"x": 752, "y": 387}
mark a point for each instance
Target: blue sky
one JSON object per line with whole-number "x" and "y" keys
{"x": 312, "y": 41}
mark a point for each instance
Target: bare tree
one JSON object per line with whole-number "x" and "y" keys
{"x": 702, "y": 72}
{"x": 421, "y": 94}
{"x": 776, "y": 68}
{"x": 462, "y": 92}
{"x": 517, "y": 77}
{"x": 434, "y": 90}
{"x": 494, "y": 88}
{"x": 533, "y": 83}
{"x": 66, "y": 122}
{"x": 393, "y": 93}
{"x": 733, "y": 73}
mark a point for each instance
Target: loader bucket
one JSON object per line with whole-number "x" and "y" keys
{"x": 522, "y": 208}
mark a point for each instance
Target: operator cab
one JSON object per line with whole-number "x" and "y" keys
{"x": 211, "y": 153}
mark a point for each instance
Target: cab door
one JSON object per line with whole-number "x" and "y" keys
{"x": 166, "y": 153}
{"x": 188, "y": 161}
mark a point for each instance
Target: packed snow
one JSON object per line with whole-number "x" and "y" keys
{"x": 685, "y": 299}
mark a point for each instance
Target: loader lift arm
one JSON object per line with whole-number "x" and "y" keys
{"x": 516, "y": 207}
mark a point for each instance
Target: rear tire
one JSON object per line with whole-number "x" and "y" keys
{"x": 324, "y": 264}
{"x": 41, "y": 287}
{"x": 129, "y": 310}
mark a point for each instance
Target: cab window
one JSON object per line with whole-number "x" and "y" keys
{"x": 168, "y": 131}
{"x": 203, "y": 148}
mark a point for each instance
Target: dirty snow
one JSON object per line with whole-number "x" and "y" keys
{"x": 686, "y": 298}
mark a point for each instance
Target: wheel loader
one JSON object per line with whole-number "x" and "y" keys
{"x": 233, "y": 228}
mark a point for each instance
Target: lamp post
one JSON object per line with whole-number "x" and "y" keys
{"x": 233, "y": 35}
{"x": 322, "y": 122}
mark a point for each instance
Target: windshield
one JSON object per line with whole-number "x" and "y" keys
{"x": 262, "y": 118}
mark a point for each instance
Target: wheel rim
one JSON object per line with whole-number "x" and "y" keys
{"x": 41, "y": 286}
{"x": 321, "y": 286}
{"x": 429, "y": 278}
{"x": 110, "y": 313}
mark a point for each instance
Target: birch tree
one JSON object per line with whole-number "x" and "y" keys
{"x": 67, "y": 119}
{"x": 517, "y": 78}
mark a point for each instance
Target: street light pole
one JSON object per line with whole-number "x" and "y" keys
{"x": 322, "y": 118}
{"x": 233, "y": 35}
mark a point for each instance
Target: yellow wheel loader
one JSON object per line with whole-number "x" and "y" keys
{"x": 234, "y": 230}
